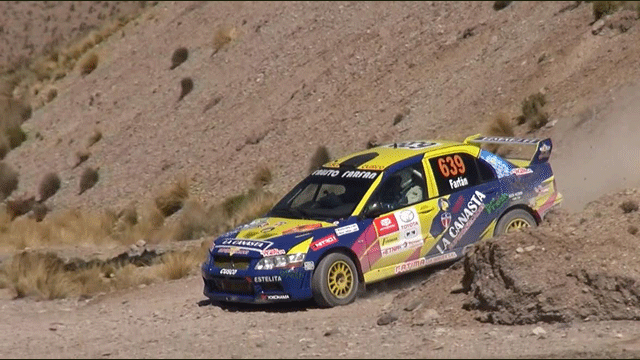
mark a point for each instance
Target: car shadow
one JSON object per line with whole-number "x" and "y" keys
{"x": 400, "y": 282}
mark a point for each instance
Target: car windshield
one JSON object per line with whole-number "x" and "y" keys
{"x": 326, "y": 194}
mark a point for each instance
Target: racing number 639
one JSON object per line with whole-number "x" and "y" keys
{"x": 451, "y": 165}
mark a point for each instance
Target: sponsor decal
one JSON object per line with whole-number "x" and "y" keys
{"x": 515, "y": 196}
{"x": 445, "y": 219}
{"x": 459, "y": 182}
{"x": 254, "y": 245}
{"x": 371, "y": 167}
{"x": 541, "y": 189}
{"x": 326, "y": 172}
{"x": 228, "y": 271}
{"x": 302, "y": 228}
{"x": 277, "y": 297}
{"x": 521, "y": 171}
{"x": 507, "y": 140}
{"x": 255, "y": 223}
{"x": 272, "y": 252}
{"x": 347, "y": 229}
{"x": 233, "y": 250}
{"x": 410, "y": 233}
{"x": 545, "y": 151}
{"x": 289, "y": 274}
{"x": 405, "y": 245}
{"x": 390, "y": 239}
{"x": 266, "y": 229}
{"x": 412, "y": 145}
{"x": 325, "y": 241}
{"x": 359, "y": 174}
{"x": 443, "y": 204}
{"x": 410, "y": 265}
{"x": 406, "y": 215}
{"x": 386, "y": 225}
{"x": 263, "y": 279}
{"x": 463, "y": 222}
{"x": 309, "y": 265}
{"x": 496, "y": 203}
{"x": 501, "y": 167}
{"x": 458, "y": 205}
{"x": 441, "y": 258}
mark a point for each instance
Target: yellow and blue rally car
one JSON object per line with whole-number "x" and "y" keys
{"x": 379, "y": 213}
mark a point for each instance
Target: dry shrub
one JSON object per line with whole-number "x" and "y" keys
{"x": 262, "y": 177}
{"x": 20, "y": 206}
{"x": 12, "y": 114}
{"x": 8, "y": 180}
{"x": 49, "y": 185}
{"x": 179, "y": 56}
{"x": 255, "y": 204}
{"x": 88, "y": 179}
{"x": 223, "y": 36}
{"x": 195, "y": 222}
{"x": 5, "y": 147}
{"x": 186, "y": 85}
{"x": 39, "y": 275}
{"x": 499, "y": 5}
{"x": 89, "y": 63}
{"x": 319, "y": 158}
{"x": 629, "y": 206}
{"x": 172, "y": 199}
{"x": 533, "y": 113}
{"x": 80, "y": 157}
{"x": 94, "y": 138}
{"x": 501, "y": 126}
{"x": 39, "y": 211}
{"x": 602, "y": 8}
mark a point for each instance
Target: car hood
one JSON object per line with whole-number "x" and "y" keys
{"x": 270, "y": 233}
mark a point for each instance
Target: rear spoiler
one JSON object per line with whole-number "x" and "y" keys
{"x": 543, "y": 146}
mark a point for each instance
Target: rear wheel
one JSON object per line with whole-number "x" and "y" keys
{"x": 335, "y": 281}
{"x": 513, "y": 221}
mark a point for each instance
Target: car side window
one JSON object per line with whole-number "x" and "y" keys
{"x": 403, "y": 188}
{"x": 454, "y": 172}
{"x": 486, "y": 171}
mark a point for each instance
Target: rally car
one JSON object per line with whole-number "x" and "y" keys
{"x": 379, "y": 213}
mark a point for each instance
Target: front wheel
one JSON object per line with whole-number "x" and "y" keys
{"x": 335, "y": 281}
{"x": 513, "y": 221}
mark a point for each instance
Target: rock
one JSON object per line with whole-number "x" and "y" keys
{"x": 430, "y": 315}
{"x": 597, "y": 27}
{"x": 519, "y": 250}
{"x": 332, "y": 331}
{"x": 539, "y": 332}
{"x": 141, "y": 243}
{"x": 413, "y": 306}
{"x": 529, "y": 248}
{"x": 457, "y": 288}
{"x": 387, "y": 319}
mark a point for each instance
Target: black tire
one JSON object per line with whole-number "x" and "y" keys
{"x": 511, "y": 219}
{"x": 335, "y": 281}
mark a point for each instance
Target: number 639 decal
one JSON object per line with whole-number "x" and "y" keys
{"x": 451, "y": 165}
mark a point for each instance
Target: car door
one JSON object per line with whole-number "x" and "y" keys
{"x": 464, "y": 187}
{"x": 402, "y": 227}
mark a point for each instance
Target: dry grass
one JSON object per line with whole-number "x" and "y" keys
{"x": 179, "y": 56}
{"x": 172, "y": 199}
{"x": 88, "y": 179}
{"x": 8, "y": 180}
{"x": 319, "y": 158}
{"x": 46, "y": 276}
{"x": 89, "y": 63}
{"x": 223, "y": 36}
{"x": 49, "y": 185}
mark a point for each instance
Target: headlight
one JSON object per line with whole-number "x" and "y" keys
{"x": 280, "y": 261}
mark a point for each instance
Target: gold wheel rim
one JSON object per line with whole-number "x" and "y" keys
{"x": 340, "y": 279}
{"x": 517, "y": 224}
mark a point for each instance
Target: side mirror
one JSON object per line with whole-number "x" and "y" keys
{"x": 373, "y": 210}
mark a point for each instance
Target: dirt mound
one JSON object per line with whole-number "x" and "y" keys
{"x": 574, "y": 267}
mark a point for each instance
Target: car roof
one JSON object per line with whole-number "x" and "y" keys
{"x": 381, "y": 157}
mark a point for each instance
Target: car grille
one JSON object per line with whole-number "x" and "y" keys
{"x": 231, "y": 262}
{"x": 231, "y": 286}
